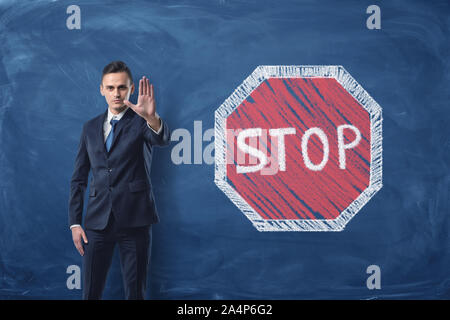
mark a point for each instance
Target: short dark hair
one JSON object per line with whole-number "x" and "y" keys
{"x": 117, "y": 66}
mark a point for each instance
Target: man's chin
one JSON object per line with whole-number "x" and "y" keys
{"x": 119, "y": 107}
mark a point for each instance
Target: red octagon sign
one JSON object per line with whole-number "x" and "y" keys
{"x": 299, "y": 148}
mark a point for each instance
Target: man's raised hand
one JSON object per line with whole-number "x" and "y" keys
{"x": 146, "y": 104}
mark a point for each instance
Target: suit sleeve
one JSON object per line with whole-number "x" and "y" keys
{"x": 79, "y": 182}
{"x": 156, "y": 139}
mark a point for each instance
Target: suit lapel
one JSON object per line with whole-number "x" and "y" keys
{"x": 100, "y": 133}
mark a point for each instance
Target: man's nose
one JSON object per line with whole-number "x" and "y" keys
{"x": 116, "y": 93}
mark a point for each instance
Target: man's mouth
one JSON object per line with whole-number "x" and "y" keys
{"x": 117, "y": 101}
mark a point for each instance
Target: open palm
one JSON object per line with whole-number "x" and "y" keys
{"x": 146, "y": 104}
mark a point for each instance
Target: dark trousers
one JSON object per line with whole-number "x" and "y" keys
{"x": 134, "y": 246}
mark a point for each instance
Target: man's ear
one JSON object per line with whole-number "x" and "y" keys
{"x": 132, "y": 89}
{"x": 101, "y": 90}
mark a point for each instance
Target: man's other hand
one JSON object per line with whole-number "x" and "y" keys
{"x": 77, "y": 235}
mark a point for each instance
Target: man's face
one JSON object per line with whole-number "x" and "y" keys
{"x": 116, "y": 87}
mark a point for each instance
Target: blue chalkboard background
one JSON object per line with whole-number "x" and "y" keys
{"x": 196, "y": 53}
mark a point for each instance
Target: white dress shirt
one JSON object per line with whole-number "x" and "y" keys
{"x": 107, "y": 128}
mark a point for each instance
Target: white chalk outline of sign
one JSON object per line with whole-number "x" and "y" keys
{"x": 262, "y": 73}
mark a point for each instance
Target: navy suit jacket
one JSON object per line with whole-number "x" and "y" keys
{"x": 120, "y": 178}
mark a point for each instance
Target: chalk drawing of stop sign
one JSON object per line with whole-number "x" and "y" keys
{"x": 299, "y": 148}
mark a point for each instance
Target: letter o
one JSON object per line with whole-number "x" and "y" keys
{"x": 326, "y": 149}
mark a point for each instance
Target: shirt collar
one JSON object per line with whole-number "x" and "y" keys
{"x": 116, "y": 116}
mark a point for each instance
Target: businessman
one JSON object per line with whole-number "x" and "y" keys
{"x": 116, "y": 146}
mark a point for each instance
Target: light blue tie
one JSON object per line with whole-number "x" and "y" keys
{"x": 110, "y": 137}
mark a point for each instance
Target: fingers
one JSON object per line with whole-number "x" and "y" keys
{"x": 146, "y": 85}
{"x": 84, "y": 237}
{"x": 145, "y": 88}
{"x": 77, "y": 235}
{"x": 79, "y": 246}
